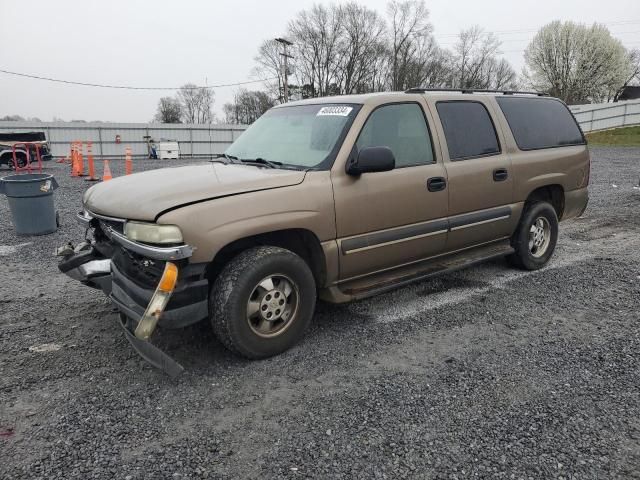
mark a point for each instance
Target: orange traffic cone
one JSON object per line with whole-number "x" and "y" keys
{"x": 106, "y": 175}
{"x": 128, "y": 162}
{"x": 92, "y": 171}
{"x": 80, "y": 161}
{"x": 74, "y": 161}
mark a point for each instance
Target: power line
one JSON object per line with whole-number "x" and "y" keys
{"x": 515, "y": 31}
{"x": 126, "y": 87}
{"x": 528, "y": 39}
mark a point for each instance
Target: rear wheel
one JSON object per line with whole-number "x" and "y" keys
{"x": 535, "y": 239}
{"x": 262, "y": 302}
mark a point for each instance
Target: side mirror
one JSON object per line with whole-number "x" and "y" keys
{"x": 372, "y": 159}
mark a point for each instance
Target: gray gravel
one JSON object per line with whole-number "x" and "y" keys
{"x": 485, "y": 372}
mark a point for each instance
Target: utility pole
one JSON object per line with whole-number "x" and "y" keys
{"x": 285, "y": 44}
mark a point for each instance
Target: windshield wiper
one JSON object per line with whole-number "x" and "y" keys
{"x": 261, "y": 161}
{"x": 228, "y": 158}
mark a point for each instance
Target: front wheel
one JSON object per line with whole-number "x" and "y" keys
{"x": 262, "y": 302}
{"x": 535, "y": 239}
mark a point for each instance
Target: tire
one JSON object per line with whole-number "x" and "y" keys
{"x": 535, "y": 238}
{"x": 258, "y": 283}
{"x": 21, "y": 159}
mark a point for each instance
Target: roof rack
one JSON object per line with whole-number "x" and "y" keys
{"x": 474, "y": 90}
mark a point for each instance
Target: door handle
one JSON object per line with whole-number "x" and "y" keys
{"x": 436, "y": 184}
{"x": 500, "y": 174}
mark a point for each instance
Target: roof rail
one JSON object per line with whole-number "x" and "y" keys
{"x": 474, "y": 90}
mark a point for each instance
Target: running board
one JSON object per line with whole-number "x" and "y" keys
{"x": 399, "y": 277}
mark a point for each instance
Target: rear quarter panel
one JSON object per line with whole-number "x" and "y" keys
{"x": 531, "y": 169}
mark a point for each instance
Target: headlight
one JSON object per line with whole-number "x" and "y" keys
{"x": 152, "y": 233}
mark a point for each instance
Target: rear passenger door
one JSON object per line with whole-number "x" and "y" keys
{"x": 478, "y": 170}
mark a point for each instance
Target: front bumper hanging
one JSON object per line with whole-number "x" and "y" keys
{"x": 87, "y": 265}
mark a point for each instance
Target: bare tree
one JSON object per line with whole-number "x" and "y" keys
{"x": 269, "y": 65}
{"x": 361, "y": 45}
{"x": 576, "y": 63}
{"x": 633, "y": 72}
{"x": 316, "y": 35}
{"x": 169, "y": 110}
{"x": 349, "y": 48}
{"x": 197, "y": 103}
{"x": 409, "y": 33}
{"x": 476, "y": 64}
{"x": 247, "y": 107}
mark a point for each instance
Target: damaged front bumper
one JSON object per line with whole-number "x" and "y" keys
{"x": 149, "y": 285}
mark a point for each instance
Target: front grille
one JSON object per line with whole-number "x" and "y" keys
{"x": 144, "y": 272}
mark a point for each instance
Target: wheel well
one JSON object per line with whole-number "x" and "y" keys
{"x": 7, "y": 156}
{"x": 554, "y": 194}
{"x": 300, "y": 241}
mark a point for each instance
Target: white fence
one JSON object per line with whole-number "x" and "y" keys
{"x": 194, "y": 140}
{"x": 601, "y": 116}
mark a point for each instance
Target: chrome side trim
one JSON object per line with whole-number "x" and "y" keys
{"x": 392, "y": 242}
{"x": 157, "y": 253}
{"x": 460, "y": 227}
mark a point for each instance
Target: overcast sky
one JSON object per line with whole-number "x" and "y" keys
{"x": 169, "y": 43}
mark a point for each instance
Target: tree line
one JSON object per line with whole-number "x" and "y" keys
{"x": 349, "y": 48}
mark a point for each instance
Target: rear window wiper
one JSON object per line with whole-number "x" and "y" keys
{"x": 228, "y": 158}
{"x": 261, "y": 161}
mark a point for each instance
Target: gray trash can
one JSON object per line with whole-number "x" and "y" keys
{"x": 30, "y": 198}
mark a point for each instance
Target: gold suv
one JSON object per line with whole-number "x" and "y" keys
{"x": 341, "y": 198}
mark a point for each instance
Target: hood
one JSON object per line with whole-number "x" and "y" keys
{"x": 143, "y": 196}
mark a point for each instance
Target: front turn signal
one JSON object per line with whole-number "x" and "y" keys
{"x": 158, "y": 303}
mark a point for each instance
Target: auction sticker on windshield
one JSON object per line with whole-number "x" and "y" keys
{"x": 340, "y": 111}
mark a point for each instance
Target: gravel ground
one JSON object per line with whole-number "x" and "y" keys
{"x": 484, "y": 372}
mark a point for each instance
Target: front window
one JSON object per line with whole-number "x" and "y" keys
{"x": 301, "y": 136}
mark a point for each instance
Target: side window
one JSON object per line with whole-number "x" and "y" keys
{"x": 540, "y": 122}
{"x": 468, "y": 129}
{"x": 401, "y": 127}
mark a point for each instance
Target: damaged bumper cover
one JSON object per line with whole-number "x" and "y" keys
{"x": 149, "y": 285}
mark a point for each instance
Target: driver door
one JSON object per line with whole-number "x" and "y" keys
{"x": 386, "y": 219}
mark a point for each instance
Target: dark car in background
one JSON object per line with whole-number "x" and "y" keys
{"x": 33, "y": 141}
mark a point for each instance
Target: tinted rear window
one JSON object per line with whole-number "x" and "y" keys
{"x": 468, "y": 129}
{"x": 540, "y": 122}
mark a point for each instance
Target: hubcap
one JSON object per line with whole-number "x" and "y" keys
{"x": 272, "y": 305}
{"x": 539, "y": 237}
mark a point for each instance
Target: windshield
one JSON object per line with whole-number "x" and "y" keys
{"x": 304, "y": 136}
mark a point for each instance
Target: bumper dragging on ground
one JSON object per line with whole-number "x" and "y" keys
{"x": 140, "y": 280}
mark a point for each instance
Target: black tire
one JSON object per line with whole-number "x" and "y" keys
{"x": 240, "y": 280}
{"x": 21, "y": 158}
{"x": 524, "y": 257}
